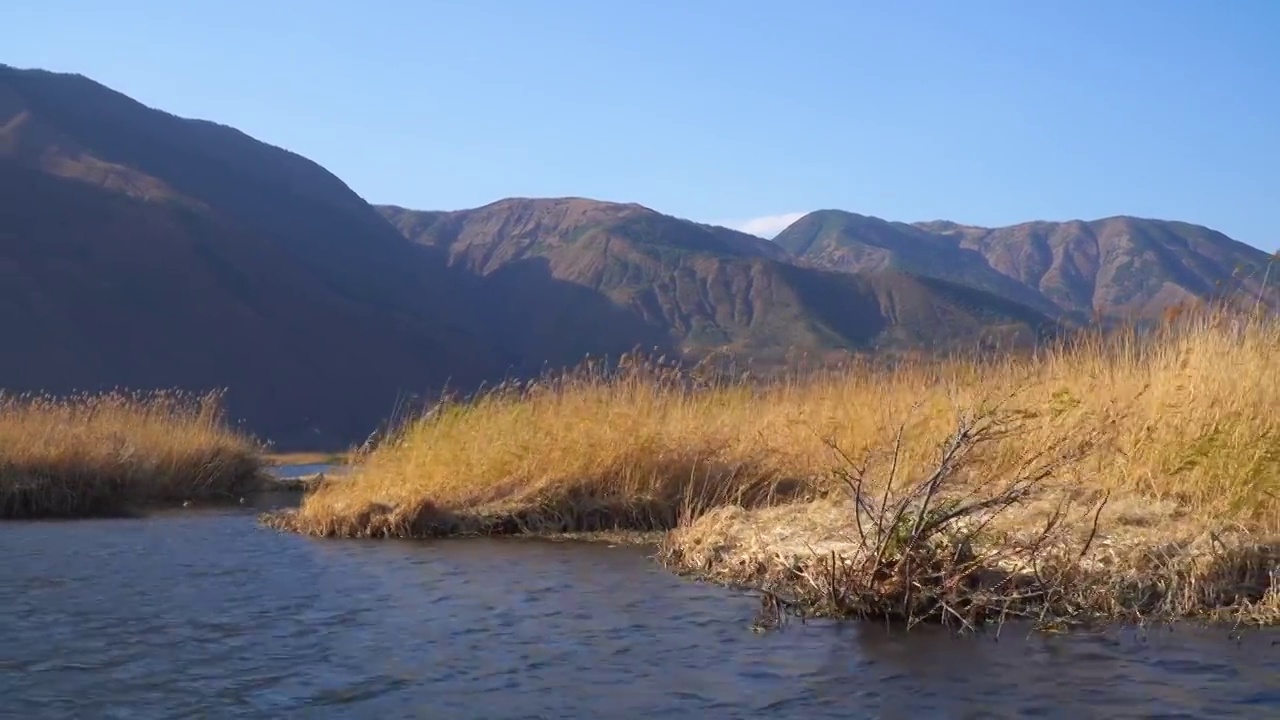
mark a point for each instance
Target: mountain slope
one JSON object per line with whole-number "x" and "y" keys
{"x": 1114, "y": 268}
{"x": 703, "y": 288}
{"x": 144, "y": 250}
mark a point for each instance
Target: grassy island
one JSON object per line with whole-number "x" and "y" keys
{"x": 1131, "y": 476}
{"x": 102, "y": 454}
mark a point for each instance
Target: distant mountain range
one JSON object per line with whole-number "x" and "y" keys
{"x": 1119, "y": 268}
{"x": 144, "y": 250}
{"x": 700, "y": 288}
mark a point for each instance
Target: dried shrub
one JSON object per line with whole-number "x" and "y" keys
{"x": 963, "y": 546}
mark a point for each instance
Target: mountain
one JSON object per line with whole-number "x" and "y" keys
{"x": 1115, "y": 268}
{"x": 144, "y": 250}
{"x": 701, "y": 288}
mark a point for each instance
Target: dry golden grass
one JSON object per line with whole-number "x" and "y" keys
{"x": 1188, "y": 417}
{"x": 808, "y": 557}
{"x": 103, "y": 454}
{"x": 1177, "y": 429}
{"x": 585, "y": 451}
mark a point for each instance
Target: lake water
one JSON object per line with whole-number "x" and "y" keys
{"x": 290, "y": 471}
{"x": 201, "y": 613}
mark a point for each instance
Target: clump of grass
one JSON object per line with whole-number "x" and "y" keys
{"x": 1188, "y": 412}
{"x": 596, "y": 449}
{"x": 1156, "y": 496}
{"x": 963, "y": 546}
{"x": 96, "y": 454}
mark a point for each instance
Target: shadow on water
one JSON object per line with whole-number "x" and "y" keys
{"x": 203, "y": 613}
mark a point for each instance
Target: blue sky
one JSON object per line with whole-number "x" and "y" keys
{"x": 982, "y": 111}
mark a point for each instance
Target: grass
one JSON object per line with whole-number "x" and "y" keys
{"x": 1167, "y": 446}
{"x": 104, "y": 454}
{"x": 967, "y": 544}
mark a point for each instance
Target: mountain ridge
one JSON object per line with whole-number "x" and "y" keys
{"x": 713, "y": 288}
{"x": 1117, "y": 268}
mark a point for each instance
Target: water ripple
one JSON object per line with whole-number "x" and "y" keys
{"x": 203, "y": 614}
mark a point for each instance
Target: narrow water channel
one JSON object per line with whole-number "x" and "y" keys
{"x": 201, "y": 613}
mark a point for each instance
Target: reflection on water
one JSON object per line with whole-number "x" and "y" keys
{"x": 203, "y": 614}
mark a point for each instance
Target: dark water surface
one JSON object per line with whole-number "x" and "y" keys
{"x": 201, "y": 613}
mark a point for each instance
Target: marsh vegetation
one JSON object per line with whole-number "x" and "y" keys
{"x": 97, "y": 454}
{"x": 1131, "y": 474}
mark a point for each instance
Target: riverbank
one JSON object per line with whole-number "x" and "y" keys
{"x": 1125, "y": 476}
{"x": 91, "y": 455}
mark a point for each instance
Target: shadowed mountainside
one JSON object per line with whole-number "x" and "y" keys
{"x": 1114, "y": 268}
{"x": 707, "y": 288}
{"x": 144, "y": 250}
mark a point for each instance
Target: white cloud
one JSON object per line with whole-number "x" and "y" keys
{"x": 767, "y": 226}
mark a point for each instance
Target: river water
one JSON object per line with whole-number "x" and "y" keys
{"x": 201, "y": 613}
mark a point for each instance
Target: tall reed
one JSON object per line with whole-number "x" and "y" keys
{"x": 94, "y": 454}
{"x": 1187, "y": 414}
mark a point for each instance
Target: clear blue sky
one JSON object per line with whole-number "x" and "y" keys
{"x": 980, "y": 111}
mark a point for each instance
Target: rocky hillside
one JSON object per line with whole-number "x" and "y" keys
{"x": 1116, "y": 268}
{"x": 702, "y": 288}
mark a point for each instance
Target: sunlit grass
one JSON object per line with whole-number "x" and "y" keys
{"x": 1187, "y": 418}
{"x": 104, "y": 453}
{"x": 1167, "y": 443}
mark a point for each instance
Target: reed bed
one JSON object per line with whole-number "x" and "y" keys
{"x": 103, "y": 454}
{"x": 1175, "y": 429}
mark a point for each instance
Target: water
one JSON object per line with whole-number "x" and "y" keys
{"x": 293, "y": 471}
{"x": 203, "y": 614}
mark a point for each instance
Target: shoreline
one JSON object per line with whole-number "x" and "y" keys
{"x": 804, "y": 565}
{"x": 227, "y": 493}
